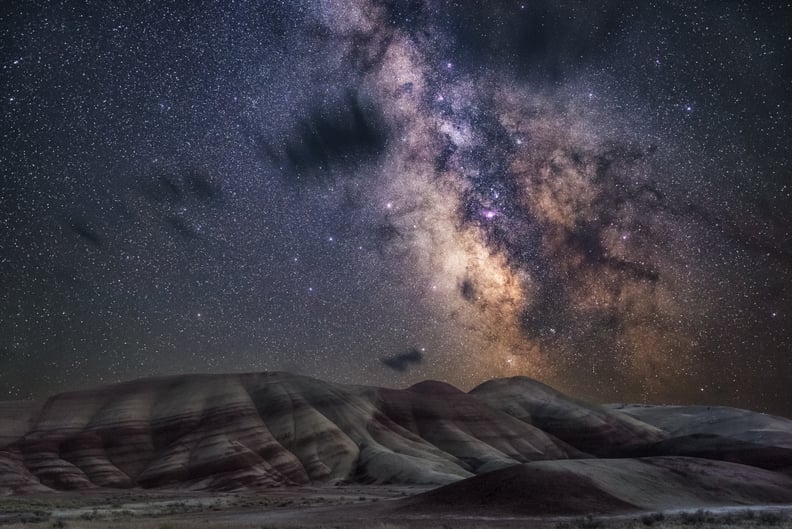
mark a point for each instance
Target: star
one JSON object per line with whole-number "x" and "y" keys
{"x": 593, "y": 198}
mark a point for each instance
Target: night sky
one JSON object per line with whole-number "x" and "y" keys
{"x": 594, "y": 194}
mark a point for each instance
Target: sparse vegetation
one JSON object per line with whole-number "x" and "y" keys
{"x": 92, "y": 515}
{"x": 652, "y": 518}
{"x": 742, "y": 520}
{"x": 587, "y": 522}
{"x": 695, "y": 518}
{"x": 770, "y": 518}
{"x": 700, "y": 519}
{"x": 165, "y": 511}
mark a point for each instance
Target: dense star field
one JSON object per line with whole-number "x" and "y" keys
{"x": 597, "y": 195}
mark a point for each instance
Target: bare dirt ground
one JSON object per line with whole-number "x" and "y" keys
{"x": 327, "y": 507}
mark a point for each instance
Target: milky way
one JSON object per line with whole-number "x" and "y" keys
{"x": 383, "y": 192}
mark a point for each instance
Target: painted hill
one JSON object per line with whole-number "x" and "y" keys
{"x": 515, "y": 439}
{"x": 743, "y": 425}
{"x": 717, "y": 432}
{"x": 231, "y": 431}
{"x": 593, "y": 429}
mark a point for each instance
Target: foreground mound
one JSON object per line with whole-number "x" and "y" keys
{"x": 606, "y": 486}
{"x": 520, "y": 490}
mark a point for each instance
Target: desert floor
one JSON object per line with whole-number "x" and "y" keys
{"x": 353, "y": 507}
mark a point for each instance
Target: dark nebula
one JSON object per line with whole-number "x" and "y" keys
{"x": 597, "y": 196}
{"x": 402, "y": 361}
